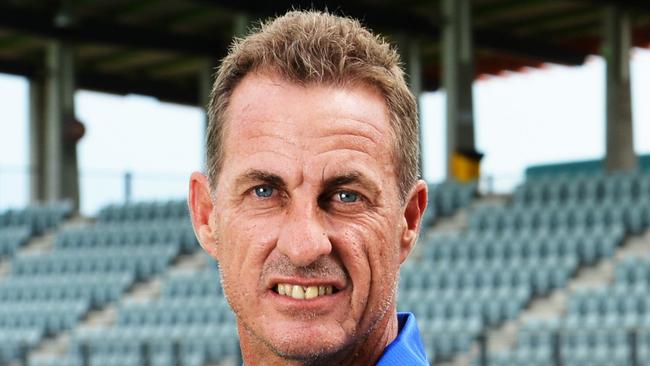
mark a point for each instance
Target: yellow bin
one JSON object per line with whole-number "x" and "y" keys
{"x": 466, "y": 166}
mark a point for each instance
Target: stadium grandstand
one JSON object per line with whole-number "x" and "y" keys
{"x": 555, "y": 272}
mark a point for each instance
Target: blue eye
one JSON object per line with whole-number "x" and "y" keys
{"x": 263, "y": 191}
{"x": 347, "y": 196}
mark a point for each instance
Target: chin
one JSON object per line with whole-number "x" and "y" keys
{"x": 306, "y": 343}
{"x": 308, "y": 352}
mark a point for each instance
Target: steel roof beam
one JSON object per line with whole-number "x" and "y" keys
{"x": 114, "y": 84}
{"x": 425, "y": 27}
{"x": 164, "y": 91}
{"x": 43, "y": 25}
{"x": 638, "y": 5}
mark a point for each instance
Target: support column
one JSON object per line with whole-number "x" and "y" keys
{"x": 409, "y": 50}
{"x": 205, "y": 88}
{"x": 207, "y": 73}
{"x": 37, "y": 140}
{"x": 458, "y": 75}
{"x": 617, "y": 44}
{"x": 414, "y": 65}
{"x": 61, "y": 175}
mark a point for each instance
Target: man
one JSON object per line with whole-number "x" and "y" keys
{"x": 312, "y": 199}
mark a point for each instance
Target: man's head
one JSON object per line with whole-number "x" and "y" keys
{"x": 309, "y": 48}
{"x": 312, "y": 201}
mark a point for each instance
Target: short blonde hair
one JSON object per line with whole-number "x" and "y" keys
{"x": 310, "y": 47}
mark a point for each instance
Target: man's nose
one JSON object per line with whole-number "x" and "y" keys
{"x": 303, "y": 239}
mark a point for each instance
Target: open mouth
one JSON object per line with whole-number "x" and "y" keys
{"x": 300, "y": 292}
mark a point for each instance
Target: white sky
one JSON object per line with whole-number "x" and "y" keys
{"x": 544, "y": 115}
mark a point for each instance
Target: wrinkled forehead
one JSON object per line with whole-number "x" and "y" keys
{"x": 272, "y": 122}
{"x": 263, "y": 102}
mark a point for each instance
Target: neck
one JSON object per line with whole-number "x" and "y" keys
{"x": 361, "y": 353}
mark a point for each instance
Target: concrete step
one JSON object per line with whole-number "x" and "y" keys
{"x": 144, "y": 291}
{"x": 189, "y": 262}
{"x": 56, "y": 346}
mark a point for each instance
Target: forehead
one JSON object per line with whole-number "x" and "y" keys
{"x": 270, "y": 109}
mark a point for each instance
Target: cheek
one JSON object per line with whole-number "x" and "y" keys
{"x": 370, "y": 251}
{"x": 244, "y": 244}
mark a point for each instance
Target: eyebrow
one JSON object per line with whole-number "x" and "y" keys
{"x": 256, "y": 175}
{"x": 350, "y": 178}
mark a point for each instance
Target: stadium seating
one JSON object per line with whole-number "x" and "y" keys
{"x": 37, "y": 218}
{"x": 574, "y": 168}
{"x": 511, "y": 253}
{"x": 17, "y": 226}
{"x": 14, "y": 342}
{"x": 446, "y": 198}
{"x": 144, "y": 211}
{"x": 11, "y": 238}
{"x": 192, "y": 314}
{"x": 607, "y": 325}
{"x": 459, "y": 285}
{"x": 98, "y": 289}
{"x": 89, "y": 266}
{"x": 128, "y": 234}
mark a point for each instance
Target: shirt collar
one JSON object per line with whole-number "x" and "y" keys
{"x": 407, "y": 348}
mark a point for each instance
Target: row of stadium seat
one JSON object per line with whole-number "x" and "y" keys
{"x": 11, "y": 238}
{"x": 583, "y": 188}
{"x": 50, "y": 316}
{"x": 142, "y": 262}
{"x": 541, "y": 279}
{"x": 203, "y": 283}
{"x": 144, "y": 211}
{"x": 176, "y": 311}
{"x": 99, "y": 289}
{"x": 634, "y": 216}
{"x": 38, "y": 217}
{"x": 586, "y": 247}
{"x": 465, "y": 294}
{"x": 446, "y": 198}
{"x": 14, "y": 342}
{"x": 129, "y": 234}
{"x": 578, "y": 347}
{"x": 449, "y": 314}
{"x": 127, "y": 344}
{"x": 445, "y": 343}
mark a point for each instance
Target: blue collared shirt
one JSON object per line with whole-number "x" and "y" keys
{"x": 407, "y": 349}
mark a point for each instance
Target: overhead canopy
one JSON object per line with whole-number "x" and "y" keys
{"x": 159, "y": 48}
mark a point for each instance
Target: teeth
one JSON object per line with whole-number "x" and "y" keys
{"x": 311, "y": 292}
{"x": 303, "y": 292}
{"x": 298, "y": 293}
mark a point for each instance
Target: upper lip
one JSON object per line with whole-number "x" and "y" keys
{"x": 337, "y": 284}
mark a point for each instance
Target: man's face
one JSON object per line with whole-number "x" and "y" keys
{"x": 308, "y": 227}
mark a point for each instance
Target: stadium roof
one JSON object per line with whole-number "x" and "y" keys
{"x": 158, "y": 47}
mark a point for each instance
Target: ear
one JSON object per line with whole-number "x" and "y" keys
{"x": 201, "y": 208}
{"x": 416, "y": 203}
